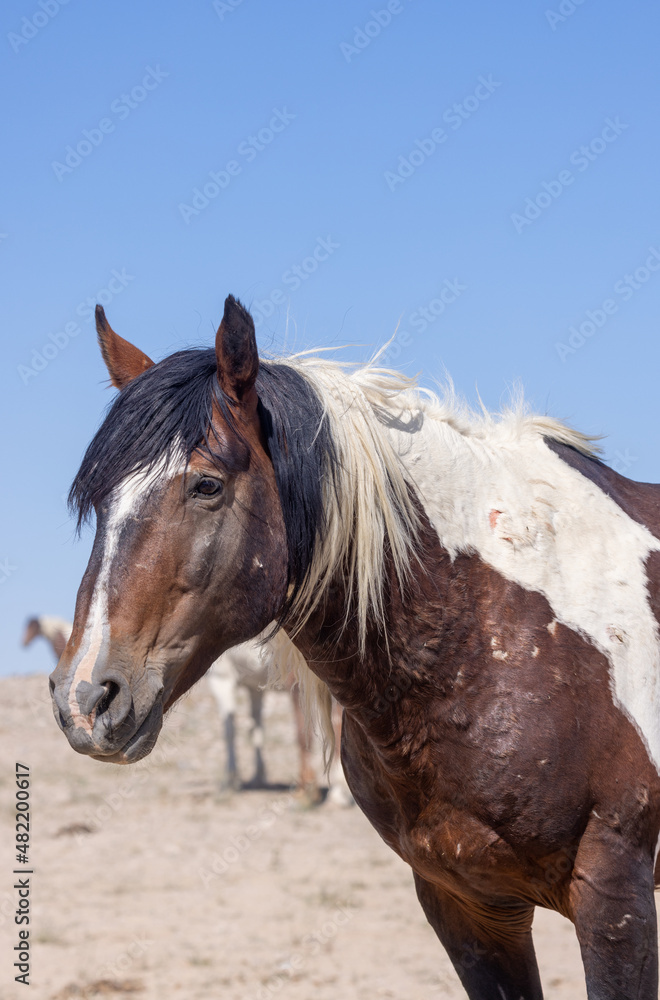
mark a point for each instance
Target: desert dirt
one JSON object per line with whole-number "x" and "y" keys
{"x": 151, "y": 882}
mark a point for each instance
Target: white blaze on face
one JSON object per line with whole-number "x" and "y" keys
{"x": 556, "y": 533}
{"x": 125, "y": 502}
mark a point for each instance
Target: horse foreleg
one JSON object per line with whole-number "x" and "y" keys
{"x": 611, "y": 897}
{"x": 339, "y": 793}
{"x": 223, "y": 690}
{"x": 307, "y": 781}
{"x": 230, "y": 743}
{"x": 256, "y": 708}
{"x": 490, "y": 947}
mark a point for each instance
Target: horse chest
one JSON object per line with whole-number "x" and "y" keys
{"x": 460, "y": 803}
{"x": 441, "y": 841}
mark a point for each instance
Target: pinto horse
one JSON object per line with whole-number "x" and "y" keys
{"x": 480, "y": 594}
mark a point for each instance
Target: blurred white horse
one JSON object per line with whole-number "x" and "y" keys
{"x": 255, "y": 665}
{"x": 241, "y": 666}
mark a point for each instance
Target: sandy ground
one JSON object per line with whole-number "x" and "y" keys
{"x": 150, "y": 882}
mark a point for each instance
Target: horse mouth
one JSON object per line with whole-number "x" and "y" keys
{"x": 140, "y": 743}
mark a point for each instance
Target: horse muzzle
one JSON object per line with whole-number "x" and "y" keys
{"x": 105, "y": 718}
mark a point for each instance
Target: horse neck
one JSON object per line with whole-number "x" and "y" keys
{"x": 421, "y": 621}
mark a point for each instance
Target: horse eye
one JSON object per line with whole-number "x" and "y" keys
{"x": 208, "y": 487}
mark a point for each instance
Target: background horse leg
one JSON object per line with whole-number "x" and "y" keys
{"x": 490, "y": 948}
{"x": 339, "y": 793}
{"x": 223, "y": 690}
{"x": 307, "y": 781}
{"x": 611, "y": 896}
{"x": 257, "y": 735}
{"x": 233, "y": 780}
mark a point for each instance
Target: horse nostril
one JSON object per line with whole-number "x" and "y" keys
{"x": 111, "y": 691}
{"x": 115, "y": 704}
{"x": 88, "y": 696}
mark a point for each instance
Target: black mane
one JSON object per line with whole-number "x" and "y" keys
{"x": 170, "y": 405}
{"x": 304, "y": 458}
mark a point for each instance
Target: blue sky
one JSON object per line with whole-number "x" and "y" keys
{"x": 484, "y": 175}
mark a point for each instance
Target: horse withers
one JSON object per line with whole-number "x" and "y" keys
{"x": 480, "y": 594}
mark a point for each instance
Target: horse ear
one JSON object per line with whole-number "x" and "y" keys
{"x": 123, "y": 361}
{"x": 236, "y": 352}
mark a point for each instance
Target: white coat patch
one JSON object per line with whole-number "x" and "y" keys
{"x": 560, "y": 535}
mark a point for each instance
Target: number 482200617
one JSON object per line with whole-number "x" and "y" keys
{"x": 22, "y": 812}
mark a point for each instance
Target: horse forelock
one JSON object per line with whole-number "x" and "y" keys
{"x": 163, "y": 414}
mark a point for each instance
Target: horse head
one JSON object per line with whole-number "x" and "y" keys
{"x": 32, "y": 631}
{"x": 190, "y": 552}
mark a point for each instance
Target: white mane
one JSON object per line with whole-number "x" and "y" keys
{"x": 383, "y": 426}
{"x": 370, "y": 410}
